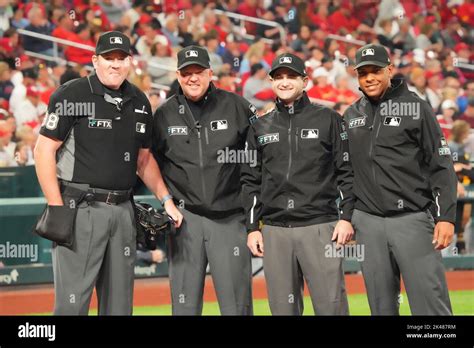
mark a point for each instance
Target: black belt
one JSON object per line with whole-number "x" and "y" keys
{"x": 111, "y": 197}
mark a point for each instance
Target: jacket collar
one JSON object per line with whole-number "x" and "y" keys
{"x": 299, "y": 104}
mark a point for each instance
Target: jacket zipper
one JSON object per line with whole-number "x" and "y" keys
{"x": 296, "y": 138}
{"x": 291, "y": 150}
{"x": 207, "y": 136}
{"x": 201, "y": 160}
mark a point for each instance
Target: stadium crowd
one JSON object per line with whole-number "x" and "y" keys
{"x": 430, "y": 43}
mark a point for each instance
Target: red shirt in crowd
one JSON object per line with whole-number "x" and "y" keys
{"x": 325, "y": 93}
{"x": 79, "y": 55}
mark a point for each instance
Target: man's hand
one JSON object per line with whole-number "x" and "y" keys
{"x": 173, "y": 212}
{"x": 443, "y": 234}
{"x": 255, "y": 243}
{"x": 343, "y": 233}
{"x": 157, "y": 255}
{"x": 460, "y": 166}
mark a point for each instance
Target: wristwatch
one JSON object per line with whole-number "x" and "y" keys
{"x": 166, "y": 198}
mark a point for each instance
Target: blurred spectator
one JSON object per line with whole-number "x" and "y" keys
{"x": 266, "y": 31}
{"x": 257, "y": 89}
{"x": 468, "y": 93}
{"x": 446, "y": 118}
{"x": 38, "y": 24}
{"x": 11, "y": 125}
{"x": 315, "y": 60}
{"x": 468, "y": 114}
{"x": 82, "y": 35}
{"x": 113, "y": 9}
{"x": 95, "y": 17}
{"x": 212, "y": 46}
{"x": 159, "y": 61}
{"x": 65, "y": 27}
{"x": 7, "y": 146}
{"x": 417, "y": 84}
{"x": 433, "y": 88}
{"x": 185, "y": 36}
{"x": 404, "y": 39}
{"x": 30, "y": 109}
{"x": 321, "y": 88}
{"x": 6, "y": 12}
{"x": 226, "y": 82}
{"x": 457, "y": 141}
{"x": 300, "y": 44}
{"x": 253, "y": 55}
{"x": 131, "y": 16}
{"x": 6, "y": 86}
{"x": 221, "y": 25}
{"x": 26, "y": 140}
{"x": 28, "y": 78}
{"x": 146, "y": 42}
{"x": 249, "y": 8}
{"x": 10, "y": 48}
{"x": 23, "y": 155}
{"x": 171, "y": 30}
{"x": 232, "y": 55}
{"x": 196, "y": 25}
{"x": 341, "y": 20}
{"x": 19, "y": 21}
{"x": 344, "y": 94}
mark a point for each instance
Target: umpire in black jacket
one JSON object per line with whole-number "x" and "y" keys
{"x": 302, "y": 169}
{"x": 199, "y": 138}
{"x": 405, "y": 189}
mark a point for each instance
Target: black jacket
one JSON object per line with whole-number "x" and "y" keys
{"x": 190, "y": 152}
{"x": 302, "y": 167}
{"x": 400, "y": 159}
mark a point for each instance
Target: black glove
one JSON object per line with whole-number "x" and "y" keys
{"x": 152, "y": 223}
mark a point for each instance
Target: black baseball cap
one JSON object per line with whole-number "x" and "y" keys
{"x": 290, "y": 61}
{"x": 111, "y": 41}
{"x": 372, "y": 54}
{"x": 193, "y": 55}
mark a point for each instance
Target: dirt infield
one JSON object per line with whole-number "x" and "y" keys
{"x": 154, "y": 292}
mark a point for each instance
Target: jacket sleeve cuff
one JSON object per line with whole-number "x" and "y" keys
{"x": 445, "y": 219}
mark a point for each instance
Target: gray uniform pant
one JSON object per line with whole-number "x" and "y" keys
{"x": 294, "y": 254}
{"x": 223, "y": 244}
{"x": 102, "y": 256}
{"x": 401, "y": 244}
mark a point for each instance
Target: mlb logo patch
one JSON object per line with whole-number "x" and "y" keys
{"x": 191, "y": 53}
{"x": 141, "y": 127}
{"x": 116, "y": 40}
{"x": 444, "y": 142}
{"x": 286, "y": 60}
{"x": 392, "y": 121}
{"x": 219, "y": 125}
{"x": 309, "y": 133}
{"x": 368, "y": 52}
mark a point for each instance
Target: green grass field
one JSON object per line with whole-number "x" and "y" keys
{"x": 462, "y": 303}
